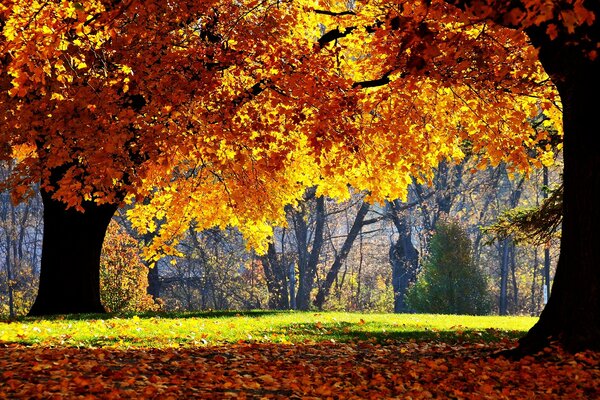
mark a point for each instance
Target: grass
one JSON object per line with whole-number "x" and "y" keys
{"x": 167, "y": 330}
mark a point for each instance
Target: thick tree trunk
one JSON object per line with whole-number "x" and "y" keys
{"x": 572, "y": 314}
{"x": 153, "y": 282}
{"x": 70, "y": 265}
{"x": 404, "y": 257}
{"x": 504, "y": 257}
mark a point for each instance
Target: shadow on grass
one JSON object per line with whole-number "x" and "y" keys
{"x": 348, "y": 332}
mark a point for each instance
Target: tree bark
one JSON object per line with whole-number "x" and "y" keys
{"x": 153, "y": 282}
{"x": 70, "y": 264}
{"x": 505, "y": 248}
{"x": 275, "y": 269}
{"x": 572, "y": 315}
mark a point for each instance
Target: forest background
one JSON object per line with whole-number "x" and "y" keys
{"x": 333, "y": 255}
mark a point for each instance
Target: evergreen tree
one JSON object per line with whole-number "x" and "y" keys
{"x": 450, "y": 283}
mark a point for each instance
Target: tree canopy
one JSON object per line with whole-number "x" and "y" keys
{"x": 223, "y": 112}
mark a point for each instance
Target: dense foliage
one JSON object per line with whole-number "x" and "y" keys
{"x": 275, "y": 96}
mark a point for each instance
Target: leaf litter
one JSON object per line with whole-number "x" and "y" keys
{"x": 311, "y": 370}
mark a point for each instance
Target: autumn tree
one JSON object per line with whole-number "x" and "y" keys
{"x": 314, "y": 251}
{"x": 214, "y": 271}
{"x": 404, "y": 257}
{"x": 276, "y": 267}
{"x": 566, "y": 34}
{"x": 360, "y": 221}
{"x": 20, "y": 244}
{"x": 96, "y": 107}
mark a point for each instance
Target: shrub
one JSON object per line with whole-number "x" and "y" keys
{"x": 123, "y": 275}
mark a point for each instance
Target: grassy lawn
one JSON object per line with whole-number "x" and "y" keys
{"x": 214, "y": 328}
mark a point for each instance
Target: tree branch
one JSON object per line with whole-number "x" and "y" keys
{"x": 333, "y": 13}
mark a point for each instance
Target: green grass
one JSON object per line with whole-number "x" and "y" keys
{"x": 197, "y": 329}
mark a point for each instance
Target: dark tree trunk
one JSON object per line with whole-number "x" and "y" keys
{"x": 505, "y": 249}
{"x": 153, "y": 282}
{"x": 404, "y": 259}
{"x": 572, "y": 314}
{"x": 70, "y": 265}
{"x": 276, "y": 277}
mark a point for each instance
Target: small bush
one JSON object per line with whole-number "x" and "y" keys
{"x": 123, "y": 275}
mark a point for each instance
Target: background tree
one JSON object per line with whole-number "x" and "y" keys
{"x": 450, "y": 283}
{"x": 213, "y": 271}
{"x": 117, "y": 127}
{"x": 20, "y": 248}
{"x": 216, "y": 271}
{"x": 404, "y": 257}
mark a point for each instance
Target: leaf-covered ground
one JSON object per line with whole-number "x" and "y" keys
{"x": 362, "y": 370}
{"x": 456, "y": 364}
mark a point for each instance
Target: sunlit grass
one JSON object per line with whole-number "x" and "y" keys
{"x": 198, "y": 329}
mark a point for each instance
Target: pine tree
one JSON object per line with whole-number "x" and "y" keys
{"x": 450, "y": 283}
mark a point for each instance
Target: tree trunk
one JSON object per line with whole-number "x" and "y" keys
{"x": 572, "y": 314}
{"x": 9, "y": 278}
{"x": 547, "y": 260}
{"x": 504, "y": 257}
{"x": 292, "y": 280}
{"x": 70, "y": 265}
{"x": 341, "y": 256}
{"x": 276, "y": 278}
{"x": 308, "y": 260}
{"x": 404, "y": 259}
{"x": 153, "y": 282}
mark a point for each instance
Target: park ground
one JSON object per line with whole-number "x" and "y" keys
{"x": 284, "y": 355}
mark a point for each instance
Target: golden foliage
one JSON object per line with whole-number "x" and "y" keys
{"x": 223, "y": 112}
{"x": 123, "y": 275}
